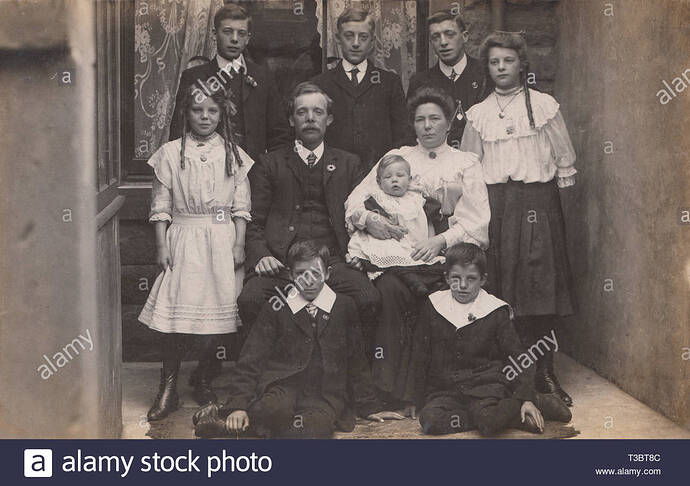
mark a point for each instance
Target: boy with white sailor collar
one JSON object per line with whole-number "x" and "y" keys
{"x": 462, "y": 342}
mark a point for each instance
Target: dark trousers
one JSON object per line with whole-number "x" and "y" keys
{"x": 450, "y": 414}
{"x": 343, "y": 279}
{"x": 284, "y": 411}
{"x": 393, "y": 338}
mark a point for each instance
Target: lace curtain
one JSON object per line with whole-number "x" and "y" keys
{"x": 396, "y": 27}
{"x": 167, "y": 33}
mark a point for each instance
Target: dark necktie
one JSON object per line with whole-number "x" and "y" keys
{"x": 312, "y": 310}
{"x": 311, "y": 159}
{"x": 453, "y": 75}
{"x": 354, "y": 74}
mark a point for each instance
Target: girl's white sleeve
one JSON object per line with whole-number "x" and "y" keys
{"x": 472, "y": 141}
{"x": 242, "y": 199}
{"x": 470, "y": 220}
{"x": 562, "y": 150}
{"x": 161, "y": 189}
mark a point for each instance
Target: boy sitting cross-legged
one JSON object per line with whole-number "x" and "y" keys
{"x": 463, "y": 340}
{"x": 301, "y": 358}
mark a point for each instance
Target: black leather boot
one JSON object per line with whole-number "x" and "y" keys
{"x": 203, "y": 393}
{"x": 209, "y": 422}
{"x": 553, "y": 408}
{"x": 167, "y": 400}
{"x": 546, "y": 381}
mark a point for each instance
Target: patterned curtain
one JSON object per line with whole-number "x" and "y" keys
{"x": 395, "y": 32}
{"x": 167, "y": 33}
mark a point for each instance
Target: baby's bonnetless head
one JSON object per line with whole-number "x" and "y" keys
{"x": 393, "y": 175}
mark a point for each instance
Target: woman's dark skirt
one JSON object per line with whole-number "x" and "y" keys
{"x": 527, "y": 258}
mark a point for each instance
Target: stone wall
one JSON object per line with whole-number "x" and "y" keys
{"x": 630, "y": 251}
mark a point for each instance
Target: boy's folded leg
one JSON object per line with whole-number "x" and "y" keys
{"x": 209, "y": 422}
{"x": 493, "y": 415}
{"x": 314, "y": 418}
{"x": 444, "y": 415}
{"x": 553, "y": 408}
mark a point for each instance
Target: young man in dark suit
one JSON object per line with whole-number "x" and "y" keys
{"x": 258, "y": 124}
{"x": 302, "y": 359}
{"x": 299, "y": 193}
{"x": 368, "y": 101}
{"x": 458, "y": 74}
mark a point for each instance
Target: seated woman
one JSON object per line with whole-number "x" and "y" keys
{"x": 438, "y": 171}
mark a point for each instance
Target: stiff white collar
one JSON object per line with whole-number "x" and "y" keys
{"x": 237, "y": 64}
{"x": 323, "y": 301}
{"x": 459, "y": 67}
{"x": 304, "y": 152}
{"x": 461, "y": 315}
{"x": 440, "y": 150}
{"x": 362, "y": 67}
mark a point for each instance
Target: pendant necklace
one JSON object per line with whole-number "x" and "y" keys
{"x": 502, "y": 109}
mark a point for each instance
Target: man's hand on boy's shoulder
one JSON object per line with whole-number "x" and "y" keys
{"x": 268, "y": 265}
{"x": 385, "y": 415}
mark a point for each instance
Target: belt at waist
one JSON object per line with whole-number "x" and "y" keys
{"x": 200, "y": 219}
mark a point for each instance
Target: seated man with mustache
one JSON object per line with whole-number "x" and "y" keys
{"x": 298, "y": 194}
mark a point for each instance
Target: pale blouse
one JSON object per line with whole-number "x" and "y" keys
{"x": 510, "y": 149}
{"x": 452, "y": 177}
{"x": 202, "y": 187}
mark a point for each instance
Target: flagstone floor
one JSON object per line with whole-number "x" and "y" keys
{"x": 601, "y": 410}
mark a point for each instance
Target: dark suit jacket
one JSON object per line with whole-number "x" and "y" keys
{"x": 280, "y": 345}
{"x": 264, "y": 116}
{"x": 467, "y": 88}
{"x": 470, "y": 360}
{"x": 369, "y": 119}
{"x": 277, "y": 199}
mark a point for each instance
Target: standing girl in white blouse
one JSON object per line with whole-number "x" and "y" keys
{"x": 526, "y": 154}
{"x": 201, "y": 188}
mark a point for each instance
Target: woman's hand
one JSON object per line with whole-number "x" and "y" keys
{"x": 238, "y": 255}
{"x": 354, "y": 262}
{"x": 381, "y": 229}
{"x": 164, "y": 259}
{"x": 429, "y": 249}
{"x": 529, "y": 410}
{"x": 381, "y": 416}
{"x": 237, "y": 421}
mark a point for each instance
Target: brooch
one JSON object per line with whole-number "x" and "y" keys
{"x": 432, "y": 155}
{"x": 330, "y": 167}
{"x": 250, "y": 81}
{"x": 471, "y": 317}
{"x": 326, "y": 317}
{"x": 475, "y": 85}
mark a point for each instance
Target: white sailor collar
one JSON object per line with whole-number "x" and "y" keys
{"x": 461, "y": 315}
{"x": 323, "y": 301}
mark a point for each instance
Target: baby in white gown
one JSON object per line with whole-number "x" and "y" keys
{"x": 394, "y": 201}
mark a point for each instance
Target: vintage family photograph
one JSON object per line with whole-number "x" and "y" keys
{"x": 349, "y": 219}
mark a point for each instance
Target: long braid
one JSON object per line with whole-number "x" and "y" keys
{"x": 528, "y": 99}
{"x": 184, "y": 136}
{"x": 228, "y": 143}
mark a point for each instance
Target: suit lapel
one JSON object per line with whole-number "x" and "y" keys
{"x": 303, "y": 321}
{"x": 322, "y": 320}
{"x": 343, "y": 80}
{"x": 330, "y": 165}
{"x": 366, "y": 83}
{"x": 245, "y": 88}
{"x": 293, "y": 161}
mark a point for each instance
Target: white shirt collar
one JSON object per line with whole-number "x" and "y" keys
{"x": 362, "y": 66}
{"x": 461, "y": 315}
{"x": 459, "y": 67}
{"x": 304, "y": 152}
{"x": 237, "y": 63}
{"x": 323, "y": 301}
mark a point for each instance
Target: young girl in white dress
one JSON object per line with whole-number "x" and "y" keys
{"x": 521, "y": 139}
{"x": 201, "y": 188}
{"x": 397, "y": 201}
